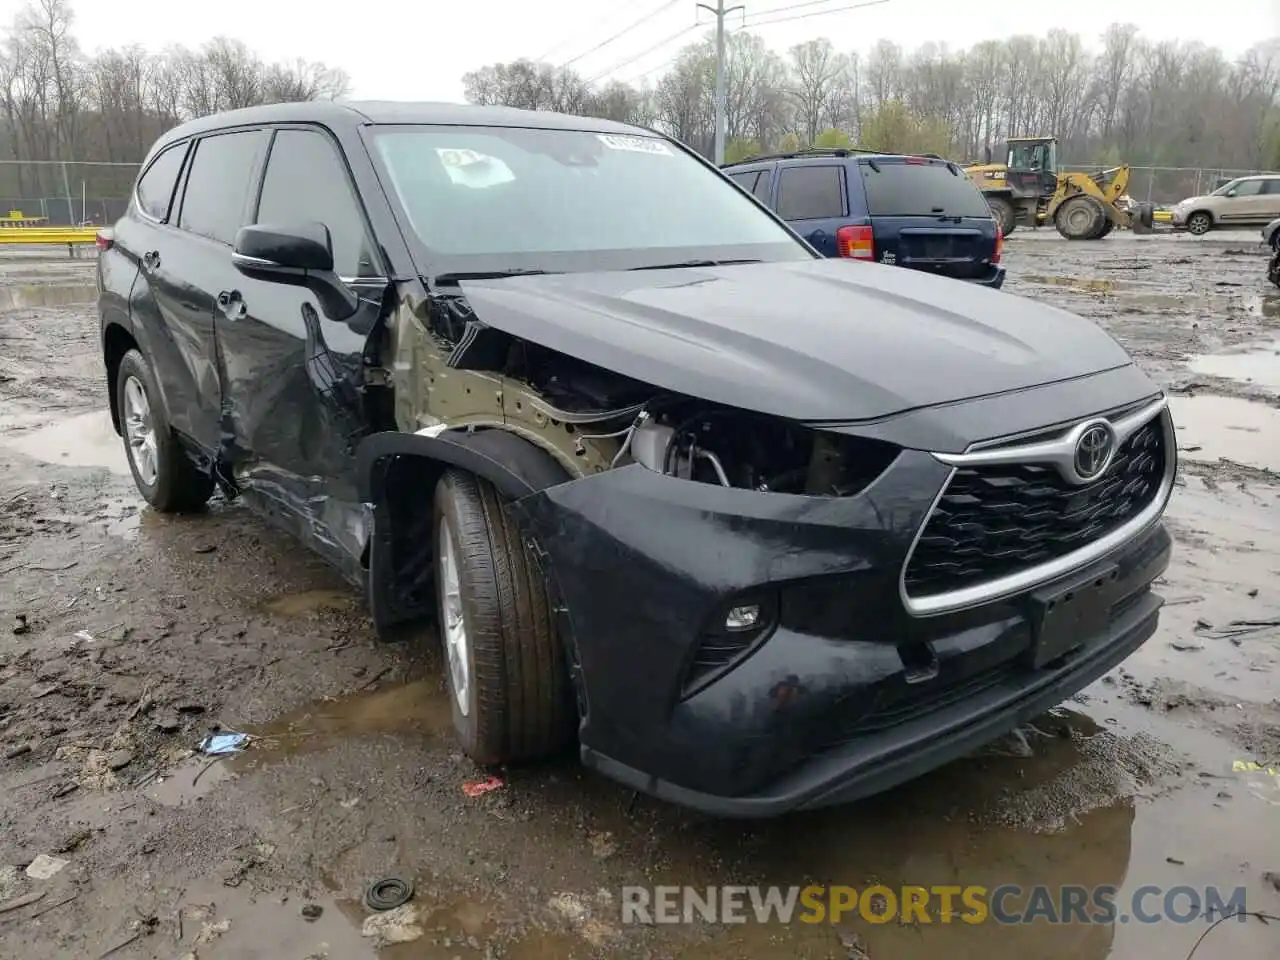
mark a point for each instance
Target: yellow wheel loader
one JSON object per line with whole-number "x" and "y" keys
{"x": 1029, "y": 188}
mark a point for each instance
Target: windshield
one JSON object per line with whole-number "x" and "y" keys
{"x": 495, "y": 198}
{"x": 896, "y": 189}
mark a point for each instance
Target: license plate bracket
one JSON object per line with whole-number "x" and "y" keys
{"x": 1065, "y": 616}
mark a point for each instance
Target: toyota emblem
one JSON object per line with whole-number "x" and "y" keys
{"x": 1093, "y": 451}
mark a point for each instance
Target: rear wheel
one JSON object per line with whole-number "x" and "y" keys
{"x": 504, "y": 664}
{"x": 163, "y": 473}
{"x": 1079, "y": 218}
{"x": 1004, "y": 213}
{"x": 1199, "y": 223}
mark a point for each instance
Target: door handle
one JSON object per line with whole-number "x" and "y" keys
{"x": 151, "y": 259}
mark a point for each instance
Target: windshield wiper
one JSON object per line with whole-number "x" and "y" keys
{"x": 692, "y": 263}
{"x": 459, "y": 275}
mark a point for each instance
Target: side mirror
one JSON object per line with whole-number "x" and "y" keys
{"x": 300, "y": 255}
{"x": 1231, "y": 193}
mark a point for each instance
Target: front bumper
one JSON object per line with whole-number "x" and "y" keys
{"x": 844, "y": 693}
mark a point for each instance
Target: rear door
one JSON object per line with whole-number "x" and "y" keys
{"x": 927, "y": 215}
{"x": 811, "y": 197}
{"x": 1271, "y": 198}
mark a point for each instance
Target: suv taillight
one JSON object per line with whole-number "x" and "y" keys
{"x": 856, "y": 243}
{"x": 995, "y": 257}
{"x": 103, "y": 239}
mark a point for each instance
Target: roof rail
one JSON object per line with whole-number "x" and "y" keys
{"x": 806, "y": 152}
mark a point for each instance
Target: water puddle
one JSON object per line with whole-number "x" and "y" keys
{"x": 1212, "y": 428}
{"x": 1258, "y": 364}
{"x": 417, "y": 709}
{"x": 87, "y": 440}
{"x": 309, "y": 603}
{"x": 25, "y": 296}
{"x": 1088, "y": 284}
{"x": 1266, "y": 306}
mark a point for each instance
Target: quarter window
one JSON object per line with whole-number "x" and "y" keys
{"x": 747, "y": 181}
{"x": 307, "y": 181}
{"x": 216, "y": 201}
{"x": 155, "y": 187}
{"x": 810, "y": 193}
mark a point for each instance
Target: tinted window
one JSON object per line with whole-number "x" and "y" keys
{"x": 307, "y": 180}
{"x": 747, "y": 181}
{"x": 505, "y": 197}
{"x": 809, "y": 193}
{"x": 155, "y": 189}
{"x": 1271, "y": 186}
{"x": 899, "y": 189}
{"x": 216, "y": 201}
{"x": 1248, "y": 188}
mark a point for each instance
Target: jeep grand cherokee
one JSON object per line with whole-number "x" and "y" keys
{"x": 763, "y": 530}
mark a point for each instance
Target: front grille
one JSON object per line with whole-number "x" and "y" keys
{"x": 994, "y": 520}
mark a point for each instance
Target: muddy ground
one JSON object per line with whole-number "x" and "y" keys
{"x": 127, "y": 636}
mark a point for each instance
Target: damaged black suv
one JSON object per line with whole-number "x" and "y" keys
{"x": 763, "y": 530}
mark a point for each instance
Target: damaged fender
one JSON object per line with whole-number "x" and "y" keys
{"x": 397, "y": 473}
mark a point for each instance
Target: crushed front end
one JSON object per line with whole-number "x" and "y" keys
{"x": 763, "y": 617}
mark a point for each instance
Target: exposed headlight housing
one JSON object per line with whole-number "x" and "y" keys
{"x": 733, "y": 448}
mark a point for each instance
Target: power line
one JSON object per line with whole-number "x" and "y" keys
{"x": 644, "y": 53}
{"x": 559, "y": 44}
{"x": 790, "y": 6}
{"x": 818, "y": 13}
{"x": 623, "y": 32}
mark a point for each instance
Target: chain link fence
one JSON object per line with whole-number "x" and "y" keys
{"x": 60, "y": 193}
{"x": 1165, "y": 186}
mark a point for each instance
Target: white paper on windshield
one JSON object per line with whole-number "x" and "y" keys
{"x": 634, "y": 144}
{"x": 472, "y": 169}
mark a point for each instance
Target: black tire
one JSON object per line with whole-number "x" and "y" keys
{"x": 1004, "y": 213}
{"x": 1275, "y": 242}
{"x": 1079, "y": 218}
{"x": 1273, "y": 269}
{"x": 1104, "y": 228}
{"x": 518, "y": 697}
{"x": 176, "y": 484}
{"x": 1199, "y": 223}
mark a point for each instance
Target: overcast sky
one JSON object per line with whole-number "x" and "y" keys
{"x": 419, "y": 49}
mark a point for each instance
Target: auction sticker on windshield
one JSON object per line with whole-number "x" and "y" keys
{"x": 634, "y": 144}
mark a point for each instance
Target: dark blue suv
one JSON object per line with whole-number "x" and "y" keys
{"x": 918, "y": 212}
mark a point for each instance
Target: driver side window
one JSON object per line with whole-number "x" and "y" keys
{"x": 1248, "y": 188}
{"x": 306, "y": 180}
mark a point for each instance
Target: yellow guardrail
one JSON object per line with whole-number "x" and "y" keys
{"x": 46, "y": 235}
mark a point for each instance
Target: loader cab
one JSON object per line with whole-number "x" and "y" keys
{"x": 1032, "y": 166}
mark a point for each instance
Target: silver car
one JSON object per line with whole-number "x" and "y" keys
{"x": 1243, "y": 202}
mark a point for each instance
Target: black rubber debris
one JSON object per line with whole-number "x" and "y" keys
{"x": 388, "y": 893}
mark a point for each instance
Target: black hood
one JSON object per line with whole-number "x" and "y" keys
{"x": 810, "y": 340}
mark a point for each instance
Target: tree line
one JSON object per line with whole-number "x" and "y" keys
{"x": 1127, "y": 99}
{"x": 57, "y": 103}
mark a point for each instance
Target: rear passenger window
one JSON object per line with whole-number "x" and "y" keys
{"x": 810, "y": 193}
{"x": 1272, "y": 186}
{"x": 747, "y": 181}
{"x": 762, "y": 186}
{"x": 216, "y": 201}
{"x": 307, "y": 181}
{"x": 155, "y": 188}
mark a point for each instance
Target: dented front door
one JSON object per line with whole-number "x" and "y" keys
{"x": 292, "y": 404}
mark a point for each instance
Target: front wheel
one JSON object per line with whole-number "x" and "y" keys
{"x": 1199, "y": 224}
{"x": 1273, "y": 269}
{"x": 504, "y": 664}
{"x": 163, "y": 473}
{"x": 1079, "y": 218}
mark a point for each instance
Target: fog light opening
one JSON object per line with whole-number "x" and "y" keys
{"x": 743, "y": 617}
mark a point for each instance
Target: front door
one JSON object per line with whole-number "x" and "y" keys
{"x": 1246, "y": 203}
{"x": 291, "y": 375}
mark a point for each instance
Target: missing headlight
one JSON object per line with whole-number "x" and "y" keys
{"x": 733, "y": 448}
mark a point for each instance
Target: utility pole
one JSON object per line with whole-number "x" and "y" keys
{"x": 720, "y": 11}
